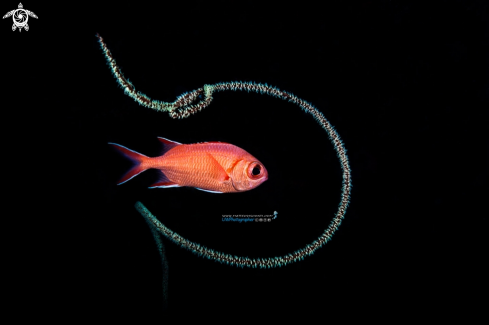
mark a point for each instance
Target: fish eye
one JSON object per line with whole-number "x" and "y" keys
{"x": 255, "y": 170}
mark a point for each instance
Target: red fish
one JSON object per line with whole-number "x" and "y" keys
{"x": 215, "y": 167}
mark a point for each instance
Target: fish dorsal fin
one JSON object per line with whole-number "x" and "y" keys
{"x": 213, "y": 142}
{"x": 167, "y": 144}
{"x": 163, "y": 182}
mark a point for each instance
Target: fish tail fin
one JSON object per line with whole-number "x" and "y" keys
{"x": 137, "y": 159}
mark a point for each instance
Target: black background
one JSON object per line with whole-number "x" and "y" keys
{"x": 404, "y": 83}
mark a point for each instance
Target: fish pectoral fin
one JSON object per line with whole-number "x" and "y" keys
{"x": 222, "y": 173}
{"x": 163, "y": 181}
{"x": 230, "y": 169}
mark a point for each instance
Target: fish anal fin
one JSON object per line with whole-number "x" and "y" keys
{"x": 163, "y": 181}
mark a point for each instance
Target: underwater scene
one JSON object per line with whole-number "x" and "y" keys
{"x": 194, "y": 160}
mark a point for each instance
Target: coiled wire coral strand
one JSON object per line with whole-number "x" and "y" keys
{"x": 183, "y": 107}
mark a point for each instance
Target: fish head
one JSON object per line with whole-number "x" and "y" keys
{"x": 248, "y": 173}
